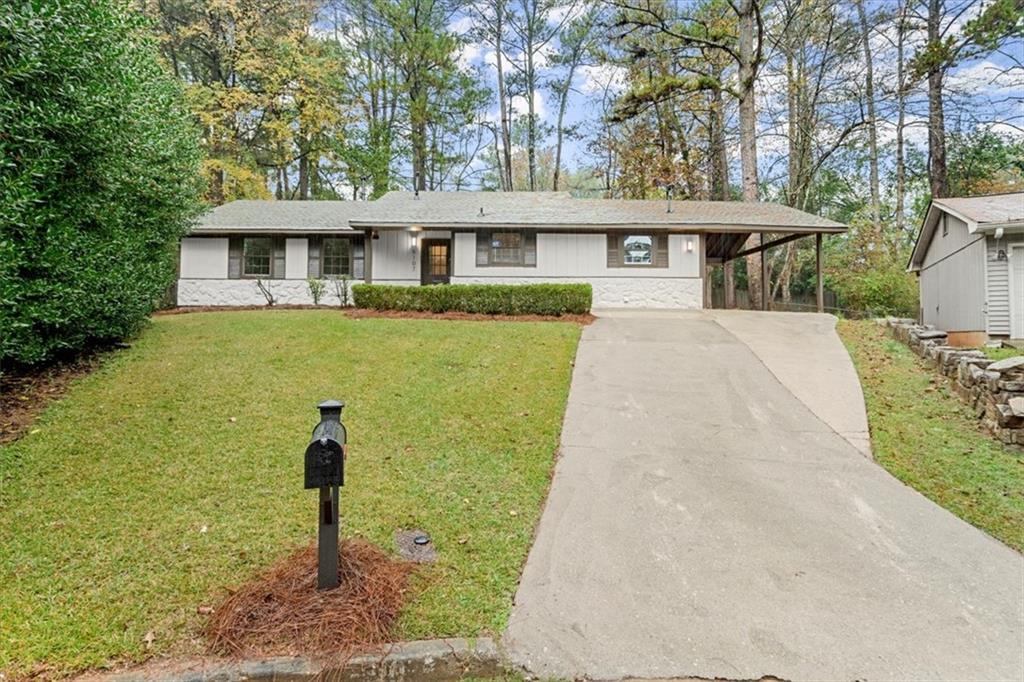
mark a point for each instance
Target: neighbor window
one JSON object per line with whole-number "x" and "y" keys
{"x": 257, "y": 255}
{"x": 506, "y": 248}
{"x": 637, "y": 249}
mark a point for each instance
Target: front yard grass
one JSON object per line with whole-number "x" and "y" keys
{"x": 923, "y": 435}
{"x": 174, "y": 473}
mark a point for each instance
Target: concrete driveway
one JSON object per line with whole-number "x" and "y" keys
{"x": 714, "y": 513}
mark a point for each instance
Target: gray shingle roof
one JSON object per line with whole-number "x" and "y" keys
{"x": 995, "y": 208}
{"x": 251, "y": 215}
{"x": 558, "y": 209}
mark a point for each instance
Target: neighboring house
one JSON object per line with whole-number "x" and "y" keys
{"x": 969, "y": 258}
{"x": 634, "y": 253}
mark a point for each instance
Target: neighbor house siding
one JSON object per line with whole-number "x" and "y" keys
{"x": 952, "y": 279}
{"x": 998, "y": 284}
{"x": 583, "y": 257}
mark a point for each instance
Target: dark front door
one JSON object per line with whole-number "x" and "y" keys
{"x": 436, "y": 266}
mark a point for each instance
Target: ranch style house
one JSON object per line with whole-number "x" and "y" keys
{"x": 635, "y": 253}
{"x": 969, "y": 259}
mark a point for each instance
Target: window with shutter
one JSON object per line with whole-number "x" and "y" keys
{"x": 336, "y": 257}
{"x": 235, "y": 251}
{"x": 637, "y": 249}
{"x": 313, "y": 257}
{"x": 279, "y": 258}
{"x": 506, "y": 248}
{"x": 257, "y": 256}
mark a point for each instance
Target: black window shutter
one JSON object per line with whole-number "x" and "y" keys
{"x": 358, "y": 256}
{"x": 483, "y": 247}
{"x": 234, "y": 257}
{"x": 530, "y": 248}
{"x": 614, "y": 260}
{"x": 277, "y": 269}
{"x": 313, "y": 257}
{"x": 661, "y": 253}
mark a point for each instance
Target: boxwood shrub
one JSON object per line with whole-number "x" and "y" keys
{"x": 487, "y": 299}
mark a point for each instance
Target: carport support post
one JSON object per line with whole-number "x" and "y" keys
{"x": 764, "y": 275}
{"x": 818, "y": 284}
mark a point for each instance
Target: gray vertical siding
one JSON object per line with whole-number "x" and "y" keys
{"x": 998, "y": 285}
{"x": 953, "y": 279}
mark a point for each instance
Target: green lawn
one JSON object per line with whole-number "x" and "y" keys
{"x": 137, "y": 498}
{"x": 924, "y": 435}
{"x": 1001, "y": 353}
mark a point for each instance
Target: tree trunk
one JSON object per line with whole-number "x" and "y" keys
{"x": 748, "y": 133}
{"x": 418, "y": 126}
{"x": 719, "y": 171}
{"x": 936, "y": 119}
{"x": 901, "y": 110}
{"x": 719, "y": 174}
{"x": 563, "y": 101}
{"x": 869, "y": 92}
{"x": 505, "y": 160}
{"x": 531, "y": 120}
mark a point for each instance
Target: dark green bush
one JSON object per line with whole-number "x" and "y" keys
{"x": 487, "y": 299}
{"x": 98, "y": 176}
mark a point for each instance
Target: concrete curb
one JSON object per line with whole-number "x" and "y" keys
{"x": 433, "y": 660}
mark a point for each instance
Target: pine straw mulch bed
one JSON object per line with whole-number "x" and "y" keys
{"x": 282, "y": 613}
{"x": 25, "y": 393}
{"x": 358, "y": 313}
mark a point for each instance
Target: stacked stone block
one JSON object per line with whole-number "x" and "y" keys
{"x": 993, "y": 389}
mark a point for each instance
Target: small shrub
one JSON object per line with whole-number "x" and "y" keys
{"x": 487, "y": 299}
{"x": 265, "y": 290}
{"x": 341, "y": 290}
{"x": 317, "y": 289}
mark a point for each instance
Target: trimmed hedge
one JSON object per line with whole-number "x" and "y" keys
{"x": 488, "y": 299}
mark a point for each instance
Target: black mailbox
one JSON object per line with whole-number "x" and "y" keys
{"x": 325, "y": 454}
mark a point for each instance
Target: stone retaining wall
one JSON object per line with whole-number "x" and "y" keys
{"x": 994, "y": 389}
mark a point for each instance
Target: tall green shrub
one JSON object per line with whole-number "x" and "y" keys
{"x": 98, "y": 168}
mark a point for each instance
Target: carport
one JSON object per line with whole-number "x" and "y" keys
{"x": 724, "y": 247}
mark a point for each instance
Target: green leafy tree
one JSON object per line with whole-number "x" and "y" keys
{"x": 98, "y": 176}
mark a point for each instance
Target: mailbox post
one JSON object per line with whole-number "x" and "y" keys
{"x": 325, "y": 469}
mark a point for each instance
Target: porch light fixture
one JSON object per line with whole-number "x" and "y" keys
{"x": 689, "y": 245}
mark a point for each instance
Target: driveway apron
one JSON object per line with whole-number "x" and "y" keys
{"x": 704, "y": 521}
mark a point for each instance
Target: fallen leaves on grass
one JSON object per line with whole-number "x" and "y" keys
{"x": 282, "y": 612}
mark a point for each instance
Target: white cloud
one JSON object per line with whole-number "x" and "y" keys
{"x": 521, "y": 107}
{"x": 469, "y": 56}
{"x": 987, "y": 77}
{"x": 461, "y": 26}
{"x": 596, "y": 77}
